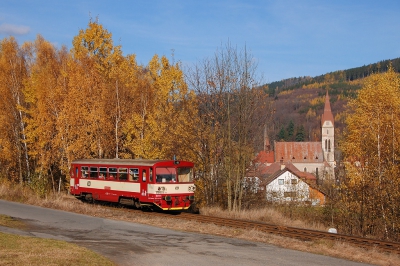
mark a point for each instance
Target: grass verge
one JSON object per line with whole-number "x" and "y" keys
{"x": 11, "y": 222}
{"x": 22, "y": 250}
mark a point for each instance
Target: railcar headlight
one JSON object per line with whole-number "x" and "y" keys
{"x": 192, "y": 188}
{"x": 167, "y": 198}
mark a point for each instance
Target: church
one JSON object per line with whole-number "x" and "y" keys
{"x": 316, "y": 158}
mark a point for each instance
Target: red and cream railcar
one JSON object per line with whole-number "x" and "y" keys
{"x": 160, "y": 184}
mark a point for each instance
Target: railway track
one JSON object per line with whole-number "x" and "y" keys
{"x": 297, "y": 233}
{"x": 285, "y": 231}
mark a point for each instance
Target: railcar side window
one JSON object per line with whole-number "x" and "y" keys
{"x": 102, "y": 172}
{"x": 133, "y": 174}
{"x": 112, "y": 173}
{"x": 85, "y": 171}
{"x": 123, "y": 173}
{"x": 151, "y": 174}
{"x": 93, "y": 172}
{"x": 185, "y": 174}
{"x": 144, "y": 175}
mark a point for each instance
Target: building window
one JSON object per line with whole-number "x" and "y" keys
{"x": 280, "y": 181}
{"x": 294, "y": 181}
{"x": 289, "y": 194}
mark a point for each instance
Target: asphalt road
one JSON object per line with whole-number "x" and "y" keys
{"x": 136, "y": 244}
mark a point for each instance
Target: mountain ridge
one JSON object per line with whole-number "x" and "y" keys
{"x": 299, "y": 102}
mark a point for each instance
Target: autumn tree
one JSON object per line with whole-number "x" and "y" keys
{"x": 371, "y": 191}
{"x": 90, "y": 113}
{"x": 44, "y": 93}
{"x": 229, "y": 108}
{"x": 164, "y": 117}
{"x": 13, "y": 146}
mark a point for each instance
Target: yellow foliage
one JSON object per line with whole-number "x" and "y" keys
{"x": 372, "y": 151}
{"x": 287, "y": 92}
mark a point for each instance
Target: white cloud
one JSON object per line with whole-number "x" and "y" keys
{"x": 13, "y": 29}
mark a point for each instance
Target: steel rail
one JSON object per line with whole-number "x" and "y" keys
{"x": 285, "y": 231}
{"x": 297, "y": 233}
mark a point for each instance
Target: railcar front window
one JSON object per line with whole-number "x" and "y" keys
{"x": 165, "y": 174}
{"x": 185, "y": 174}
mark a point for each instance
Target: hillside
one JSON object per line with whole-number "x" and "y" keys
{"x": 301, "y": 100}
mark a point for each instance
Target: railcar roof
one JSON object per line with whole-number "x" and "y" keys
{"x": 118, "y": 161}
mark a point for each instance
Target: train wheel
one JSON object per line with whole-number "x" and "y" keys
{"x": 89, "y": 198}
{"x": 137, "y": 204}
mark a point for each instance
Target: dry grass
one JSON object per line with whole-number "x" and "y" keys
{"x": 266, "y": 215}
{"x": 329, "y": 248}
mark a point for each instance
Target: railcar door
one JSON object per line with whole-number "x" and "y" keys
{"x": 74, "y": 179}
{"x": 143, "y": 185}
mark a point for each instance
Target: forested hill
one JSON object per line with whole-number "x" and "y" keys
{"x": 298, "y": 102}
{"x": 336, "y": 76}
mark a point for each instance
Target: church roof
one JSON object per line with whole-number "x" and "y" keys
{"x": 327, "y": 115}
{"x": 264, "y": 157}
{"x": 299, "y": 152}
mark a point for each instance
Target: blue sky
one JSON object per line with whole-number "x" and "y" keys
{"x": 287, "y": 38}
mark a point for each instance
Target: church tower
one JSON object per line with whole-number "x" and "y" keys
{"x": 328, "y": 133}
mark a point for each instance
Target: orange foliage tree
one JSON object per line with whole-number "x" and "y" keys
{"x": 44, "y": 92}
{"x": 13, "y": 146}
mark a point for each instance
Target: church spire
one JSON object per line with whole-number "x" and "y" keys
{"x": 328, "y": 134}
{"x": 327, "y": 115}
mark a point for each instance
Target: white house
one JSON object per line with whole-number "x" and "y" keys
{"x": 286, "y": 186}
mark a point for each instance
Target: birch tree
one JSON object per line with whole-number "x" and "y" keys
{"x": 88, "y": 130}
{"x": 372, "y": 188}
{"x": 163, "y": 122}
{"x": 13, "y": 73}
{"x": 44, "y": 93}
